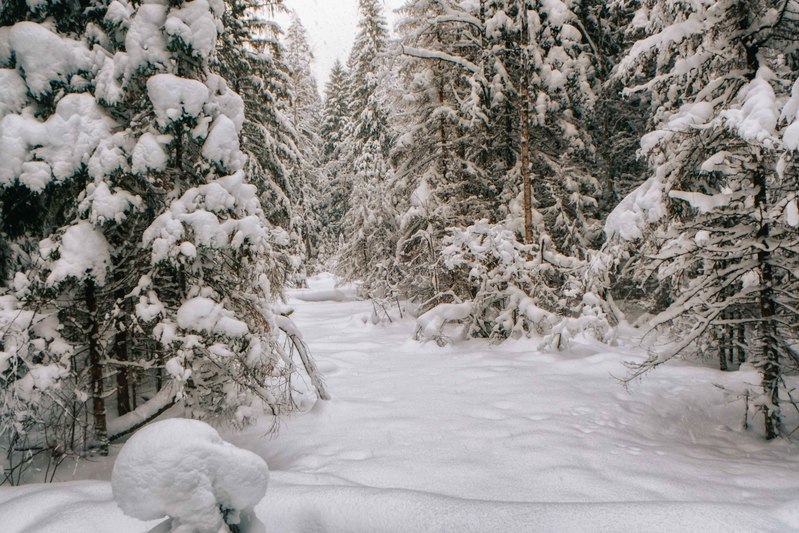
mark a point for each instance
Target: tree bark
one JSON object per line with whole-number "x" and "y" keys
{"x": 121, "y": 353}
{"x": 524, "y": 140}
{"x": 768, "y": 363}
{"x": 96, "y": 369}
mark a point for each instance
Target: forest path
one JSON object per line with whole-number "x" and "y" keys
{"x": 509, "y": 423}
{"x": 475, "y": 438}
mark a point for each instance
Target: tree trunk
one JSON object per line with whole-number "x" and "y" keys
{"x": 442, "y": 134}
{"x": 121, "y": 352}
{"x": 722, "y": 345}
{"x": 768, "y": 362}
{"x": 96, "y": 369}
{"x": 524, "y": 141}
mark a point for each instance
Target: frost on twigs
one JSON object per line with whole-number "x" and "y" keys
{"x": 182, "y": 469}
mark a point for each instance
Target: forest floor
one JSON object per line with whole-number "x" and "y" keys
{"x": 475, "y": 437}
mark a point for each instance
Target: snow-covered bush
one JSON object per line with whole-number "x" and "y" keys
{"x": 430, "y": 325}
{"x": 36, "y": 391}
{"x": 517, "y": 289}
{"x": 182, "y": 469}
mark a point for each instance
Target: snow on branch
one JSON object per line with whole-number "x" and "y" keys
{"x": 441, "y": 56}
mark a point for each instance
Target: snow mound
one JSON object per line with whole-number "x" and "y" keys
{"x": 326, "y": 295}
{"x": 74, "y": 507}
{"x": 183, "y": 469}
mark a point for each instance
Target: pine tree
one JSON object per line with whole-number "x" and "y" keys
{"x": 336, "y": 126}
{"x": 505, "y": 98}
{"x": 305, "y": 110}
{"x": 369, "y": 223}
{"x": 144, "y": 255}
{"x": 722, "y": 164}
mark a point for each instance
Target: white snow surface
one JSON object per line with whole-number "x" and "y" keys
{"x": 174, "y": 98}
{"x": 642, "y": 207}
{"x": 183, "y": 469}
{"x": 475, "y": 437}
{"x": 44, "y": 56}
{"x": 84, "y": 253}
{"x": 204, "y": 314}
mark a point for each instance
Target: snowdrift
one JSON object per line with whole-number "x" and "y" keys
{"x": 88, "y": 507}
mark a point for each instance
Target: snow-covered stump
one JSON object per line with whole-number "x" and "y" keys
{"x": 182, "y": 469}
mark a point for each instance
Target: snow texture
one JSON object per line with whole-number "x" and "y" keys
{"x": 203, "y": 210}
{"x": 104, "y": 205}
{"x": 149, "y": 154}
{"x": 183, "y": 469}
{"x": 222, "y": 145}
{"x": 144, "y": 41}
{"x": 790, "y": 114}
{"x": 224, "y": 101}
{"x": 14, "y": 93}
{"x": 430, "y": 324}
{"x": 705, "y": 203}
{"x": 65, "y": 141}
{"x": 687, "y": 117}
{"x": 44, "y": 57}
{"x": 756, "y": 120}
{"x": 194, "y": 26}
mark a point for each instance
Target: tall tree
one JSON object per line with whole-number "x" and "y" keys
{"x": 369, "y": 222}
{"x": 305, "y": 110}
{"x": 505, "y": 93}
{"x": 336, "y": 126}
{"x": 722, "y": 165}
{"x": 144, "y": 255}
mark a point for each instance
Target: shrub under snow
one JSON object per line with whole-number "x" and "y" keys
{"x": 183, "y": 469}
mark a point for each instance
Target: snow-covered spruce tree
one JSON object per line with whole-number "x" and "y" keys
{"x": 208, "y": 291}
{"x": 724, "y": 184}
{"x": 336, "y": 126}
{"x": 57, "y": 153}
{"x": 305, "y": 112}
{"x": 369, "y": 224}
{"x": 618, "y": 120}
{"x": 249, "y": 53}
{"x": 439, "y": 183}
{"x": 527, "y": 73}
{"x": 142, "y": 234}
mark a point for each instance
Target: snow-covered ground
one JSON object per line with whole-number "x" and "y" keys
{"x": 482, "y": 438}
